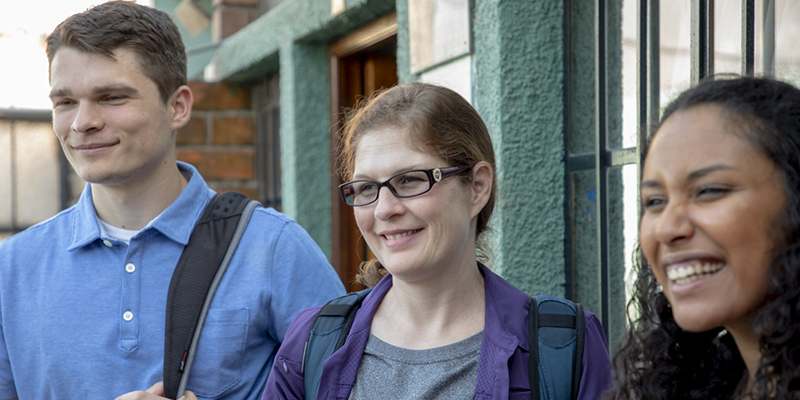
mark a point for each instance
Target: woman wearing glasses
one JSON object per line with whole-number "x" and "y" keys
{"x": 438, "y": 323}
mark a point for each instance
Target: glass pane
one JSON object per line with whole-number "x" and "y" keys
{"x": 630, "y": 201}
{"x": 582, "y": 77}
{"x": 584, "y": 239}
{"x": 728, "y": 36}
{"x": 787, "y": 40}
{"x": 629, "y": 66}
{"x": 5, "y": 175}
{"x": 37, "y": 166}
{"x": 675, "y": 48}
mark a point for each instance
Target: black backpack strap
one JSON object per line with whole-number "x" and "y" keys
{"x": 328, "y": 334}
{"x": 558, "y": 323}
{"x": 533, "y": 343}
{"x": 195, "y": 280}
{"x": 577, "y": 362}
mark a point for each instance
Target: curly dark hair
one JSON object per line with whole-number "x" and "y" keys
{"x": 659, "y": 360}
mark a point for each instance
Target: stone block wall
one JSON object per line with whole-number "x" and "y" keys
{"x": 219, "y": 139}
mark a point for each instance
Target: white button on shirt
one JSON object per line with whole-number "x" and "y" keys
{"x": 127, "y": 316}
{"x": 130, "y": 268}
{"x": 107, "y": 243}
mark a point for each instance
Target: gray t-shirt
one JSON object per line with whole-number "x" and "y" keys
{"x": 390, "y": 372}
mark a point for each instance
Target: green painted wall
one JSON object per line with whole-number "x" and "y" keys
{"x": 518, "y": 90}
{"x": 196, "y": 61}
{"x": 293, "y": 40}
{"x": 519, "y": 84}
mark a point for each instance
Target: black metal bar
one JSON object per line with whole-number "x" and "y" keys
{"x": 569, "y": 281}
{"x": 580, "y": 162}
{"x": 768, "y": 38}
{"x": 600, "y": 162}
{"x": 26, "y": 115}
{"x": 748, "y": 37}
{"x": 614, "y": 158}
{"x": 648, "y": 101}
{"x": 702, "y": 45}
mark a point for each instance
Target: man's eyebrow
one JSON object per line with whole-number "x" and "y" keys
{"x": 96, "y": 90}
{"x": 59, "y": 93}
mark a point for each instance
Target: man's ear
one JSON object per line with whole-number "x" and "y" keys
{"x": 180, "y": 105}
{"x": 482, "y": 183}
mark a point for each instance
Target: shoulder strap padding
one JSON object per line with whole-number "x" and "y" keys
{"x": 558, "y": 328}
{"x": 328, "y": 333}
{"x": 194, "y": 281}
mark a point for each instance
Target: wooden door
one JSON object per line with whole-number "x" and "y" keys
{"x": 361, "y": 63}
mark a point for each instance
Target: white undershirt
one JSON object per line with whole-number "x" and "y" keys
{"x": 123, "y": 235}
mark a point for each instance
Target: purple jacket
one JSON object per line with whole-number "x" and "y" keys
{"x": 503, "y": 361}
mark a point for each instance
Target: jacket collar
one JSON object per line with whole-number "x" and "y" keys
{"x": 503, "y": 333}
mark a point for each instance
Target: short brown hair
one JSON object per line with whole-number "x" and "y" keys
{"x": 439, "y": 121}
{"x": 150, "y": 33}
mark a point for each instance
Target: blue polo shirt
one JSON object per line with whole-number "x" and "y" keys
{"x": 82, "y": 315}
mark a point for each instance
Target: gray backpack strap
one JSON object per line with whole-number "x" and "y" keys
{"x": 195, "y": 281}
{"x": 328, "y": 333}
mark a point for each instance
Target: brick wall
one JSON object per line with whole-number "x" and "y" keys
{"x": 219, "y": 139}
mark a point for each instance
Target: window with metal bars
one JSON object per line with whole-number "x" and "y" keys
{"x": 625, "y": 61}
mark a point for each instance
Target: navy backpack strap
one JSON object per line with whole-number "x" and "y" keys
{"x": 558, "y": 330}
{"x": 328, "y": 334}
{"x": 194, "y": 282}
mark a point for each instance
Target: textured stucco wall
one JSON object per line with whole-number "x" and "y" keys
{"x": 305, "y": 154}
{"x": 293, "y": 39}
{"x": 518, "y": 89}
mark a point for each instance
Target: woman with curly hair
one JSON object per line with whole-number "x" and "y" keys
{"x": 717, "y": 299}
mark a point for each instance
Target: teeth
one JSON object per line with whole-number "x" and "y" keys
{"x": 690, "y": 273}
{"x": 404, "y": 234}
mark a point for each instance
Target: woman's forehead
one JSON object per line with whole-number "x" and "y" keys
{"x": 388, "y": 151}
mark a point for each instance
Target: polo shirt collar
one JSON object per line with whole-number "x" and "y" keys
{"x": 176, "y": 222}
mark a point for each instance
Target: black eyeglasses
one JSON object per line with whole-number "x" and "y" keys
{"x": 403, "y": 185}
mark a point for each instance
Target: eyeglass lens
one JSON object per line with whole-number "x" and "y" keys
{"x": 406, "y": 184}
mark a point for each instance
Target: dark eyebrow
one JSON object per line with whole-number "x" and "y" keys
{"x": 96, "y": 90}
{"x": 60, "y": 93}
{"x": 705, "y": 171}
{"x": 696, "y": 174}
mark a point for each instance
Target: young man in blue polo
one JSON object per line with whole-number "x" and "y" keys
{"x": 83, "y": 294}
